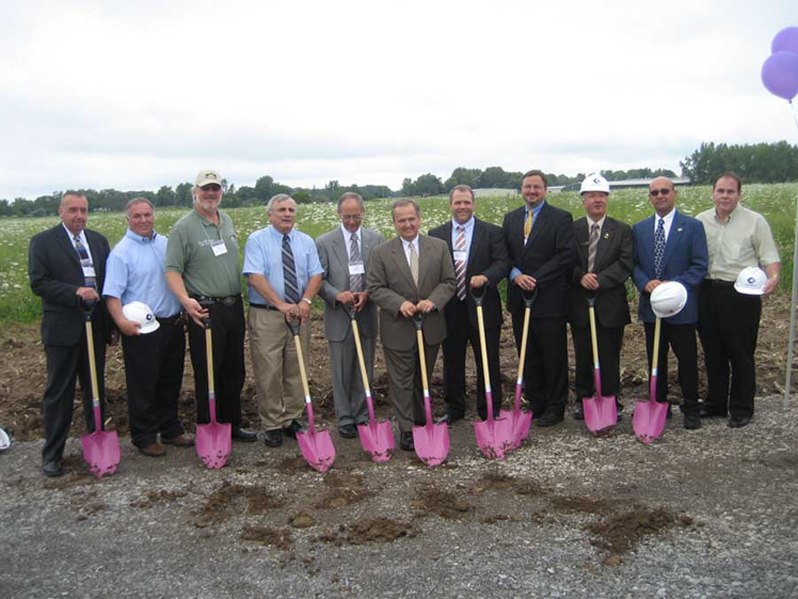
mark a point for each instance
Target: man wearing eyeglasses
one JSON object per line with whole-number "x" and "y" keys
{"x": 202, "y": 272}
{"x": 670, "y": 246}
{"x": 344, "y": 253}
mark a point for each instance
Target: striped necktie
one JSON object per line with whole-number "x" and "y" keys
{"x": 591, "y": 247}
{"x": 414, "y": 263}
{"x": 355, "y": 281}
{"x": 85, "y": 261}
{"x": 289, "y": 273}
{"x": 460, "y": 265}
{"x": 659, "y": 248}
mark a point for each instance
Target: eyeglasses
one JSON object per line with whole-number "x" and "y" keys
{"x": 352, "y": 217}
{"x": 659, "y": 192}
{"x": 211, "y": 187}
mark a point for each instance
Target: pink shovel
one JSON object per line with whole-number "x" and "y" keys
{"x": 214, "y": 439}
{"x": 648, "y": 419}
{"x": 431, "y": 441}
{"x": 520, "y": 421}
{"x": 601, "y": 412}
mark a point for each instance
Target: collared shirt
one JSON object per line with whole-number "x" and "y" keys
{"x": 134, "y": 272}
{"x": 83, "y": 240}
{"x": 743, "y": 240}
{"x": 263, "y": 255}
{"x": 668, "y": 218}
{"x": 469, "y": 235}
{"x": 406, "y": 245}
{"x": 348, "y": 239}
{"x": 600, "y": 223}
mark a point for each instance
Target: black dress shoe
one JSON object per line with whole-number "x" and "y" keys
{"x": 52, "y": 469}
{"x": 692, "y": 422}
{"x": 449, "y": 418}
{"x": 739, "y": 422}
{"x": 406, "y": 441}
{"x": 273, "y": 437}
{"x": 292, "y": 429}
{"x": 239, "y": 434}
{"x": 549, "y": 419}
{"x": 708, "y": 411}
{"x": 347, "y": 431}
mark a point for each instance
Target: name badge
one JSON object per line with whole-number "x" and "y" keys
{"x": 356, "y": 268}
{"x": 218, "y": 247}
{"x": 88, "y": 271}
{"x": 460, "y": 255}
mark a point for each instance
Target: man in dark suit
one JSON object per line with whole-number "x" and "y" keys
{"x": 604, "y": 258}
{"x": 479, "y": 257}
{"x": 539, "y": 239}
{"x": 344, "y": 254}
{"x": 66, "y": 266}
{"x": 409, "y": 275}
{"x": 670, "y": 246}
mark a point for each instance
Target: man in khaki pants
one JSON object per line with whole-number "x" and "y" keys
{"x": 284, "y": 274}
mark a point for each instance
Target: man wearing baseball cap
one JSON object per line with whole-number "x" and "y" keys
{"x": 738, "y": 239}
{"x": 604, "y": 258}
{"x": 202, "y": 270}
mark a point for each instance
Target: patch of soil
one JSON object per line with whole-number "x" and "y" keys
{"x": 302, "y": 520}
{"x": 588, "y": 505}
{"x": 268, "y": 536}
{"x": 446, "y": 504}
{"x": 153, "y": 498}
{"x": 495, "y": 481}
{"x": 377, "y": 530}
{"x": 345, "y": 489}
{"x": 221, "y": 504}
{"x": 623, "y": 532}
{"x": 291, "y": 466}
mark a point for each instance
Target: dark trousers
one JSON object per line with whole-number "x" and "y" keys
{"x": 728, "y": 327}
{"x": 546, "y": 365}
{"x": 459, "y": 335}
{"x": 227, "y": 333}
{"x": 154, "y": 374}
{"x": 64, "y": 365}
{"x": 610, "y": 341}
{"x": 404, "y": 383}
{"x": 680, "y": 337}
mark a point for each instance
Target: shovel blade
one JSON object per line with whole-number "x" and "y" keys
{"x": 377, "y": 440}
{"x": 601, "y": 413}
{"x": 519, "y": 423}
{"x": 214, "y": 443}
{"x": 648, "y": 420}
{"x": 101, "y": 452}
{"x": 317, "y": 449}
{"x": 431, "y": 442}
{"x": 494, "y": 438}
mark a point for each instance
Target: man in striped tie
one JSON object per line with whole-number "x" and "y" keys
{"x": 479, "y": 256}
{"x": 284, "y": 275}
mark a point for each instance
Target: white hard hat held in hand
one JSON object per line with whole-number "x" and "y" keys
{"x": 140, "y": 312}
{"x": 751, "y": 281}
{"x": 668, "y": 299}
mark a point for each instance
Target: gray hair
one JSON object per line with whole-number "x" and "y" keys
{"x": 404, "y": 202}
{"x": 135, "y": 201}
{"x": 278, "y": 199}
{"x": 351, "y": 195}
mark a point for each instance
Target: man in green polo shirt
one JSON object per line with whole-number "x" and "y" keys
{"x": 202, "y": 270}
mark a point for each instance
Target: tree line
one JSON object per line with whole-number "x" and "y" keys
{"x": 755, "y": 163}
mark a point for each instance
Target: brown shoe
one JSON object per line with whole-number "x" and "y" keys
{"x": 179, "y": 441}
{"x": 153, "y": 450}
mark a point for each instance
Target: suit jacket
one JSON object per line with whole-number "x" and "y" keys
{"x": 614, "y": 262}
{"x": 334, "y": 257}
{"x": 390, "y": 283}
{"x": 685, "y": 260}
{"x": 487, "y": 256}
{"x": 547, "y": 255}
{"x": 55, "y": 274}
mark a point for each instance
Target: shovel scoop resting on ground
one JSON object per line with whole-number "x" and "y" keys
{"x": 431, "y": 441}
{"x": 601, "y": 411}
{"x": 376, "y": 437}
{"x": 316, "y": 446}
{"x": 520, "y": 421}
{"x": 100, "y": 448}
{"x": 494, "y": 437}
{"x": 214, "y": 440}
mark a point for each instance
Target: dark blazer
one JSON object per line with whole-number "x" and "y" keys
{"x": 685, "y": 260}
{"x": 55, "y": 275}
{"x": 548, "y": 256}
{"x": 487, "y": 256}
{"x": 390, "y": 283}
{"x": 614, "y": 262}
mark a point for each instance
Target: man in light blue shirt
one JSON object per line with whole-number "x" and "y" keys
{"x": 284, "y": 275}
{"x": 154, "y": 355}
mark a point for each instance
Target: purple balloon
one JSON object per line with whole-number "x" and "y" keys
{"x": 780, "y": 74}
{"x": 786, "y": 40}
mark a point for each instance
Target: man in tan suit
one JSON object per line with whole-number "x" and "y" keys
{"x": 410, "y": 275}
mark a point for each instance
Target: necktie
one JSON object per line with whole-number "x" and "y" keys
{"x": 460, "y": 265}
{"x": 85, "y": 260}
{"x": 414, "y": 263}
{"x": 528, "y": 224}
{"x": 659, "y": 248}
{"x": 355, "y": 281}
{"x": 289, "y": 273}
{"x": 591, "y": 247}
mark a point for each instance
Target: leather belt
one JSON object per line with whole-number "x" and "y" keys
{"x": 226, "y": 301}
{"x": 175, "y": 320}
{"x": 262, "y": 306}
{"x": 719, "y": 283}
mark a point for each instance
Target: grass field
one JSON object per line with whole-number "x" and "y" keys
{"x": 18, "y": 304}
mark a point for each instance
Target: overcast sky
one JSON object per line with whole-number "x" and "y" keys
{"x": 135, "y": 95}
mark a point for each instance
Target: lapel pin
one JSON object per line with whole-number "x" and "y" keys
{"x": 606, "y": 235}
{"x": 680, "y": 229}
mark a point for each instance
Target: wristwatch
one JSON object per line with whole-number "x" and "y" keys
{"x": 309, "y": 301}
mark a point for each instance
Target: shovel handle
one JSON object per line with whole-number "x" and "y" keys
{"x": 422, "y": 362}
{"x": 529, "y": 298}
{"x": 591, "y": 312}
{"x": 360, "y": 360}
{"x": 484, "y": 352}
{"x": 652, "y": 391}
{"x": 95, "y": 391}
{"x": 478, "y": 296}
{"x": 303, "y": 373}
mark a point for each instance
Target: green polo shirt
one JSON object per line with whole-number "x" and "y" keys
{"x": 190, "y": 251}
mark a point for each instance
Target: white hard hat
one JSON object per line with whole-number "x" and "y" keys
{"x": 594, "y": 182}
{"x": 751, "y": 281}
{"x": 668, "y": 299}
{"x": 140, "y": 312}
{"x": 5, "y": 442}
